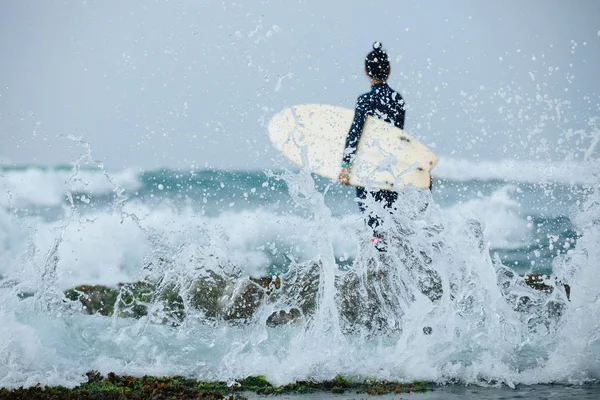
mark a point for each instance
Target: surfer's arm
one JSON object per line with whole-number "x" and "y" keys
{"x": 360, "y": 115}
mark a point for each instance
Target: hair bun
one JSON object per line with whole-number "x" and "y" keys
{"x": 377, "y": 64}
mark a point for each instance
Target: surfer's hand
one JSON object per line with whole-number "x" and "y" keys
{"x": 344, "y": 177}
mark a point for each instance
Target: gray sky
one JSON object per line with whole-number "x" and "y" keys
{"x": 176, "y": 83}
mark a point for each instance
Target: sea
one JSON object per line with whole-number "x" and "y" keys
{"x": 482, "y": 227}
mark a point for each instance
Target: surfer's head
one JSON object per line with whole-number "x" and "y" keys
{"x": 377, "y": 64}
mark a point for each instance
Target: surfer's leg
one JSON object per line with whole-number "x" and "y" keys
{"x": 374, "y": 219}
{"x": 390, "y": 197}
{"x": 370, "y": 217}
{"x": 361, "y": 196}
{"x": 387, "y": 199}
{"x": 379, "y": 201}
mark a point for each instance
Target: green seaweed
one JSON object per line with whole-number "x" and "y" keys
{"x": 172, "y": 303}
{"x": 128, "y": 387}
{"x": 133, "y": 299}
{"x": 255, "y": 382}
{"x": 206, "y": 293}
{"x": 95, "y": 299}
{"x": 121, "y": 387}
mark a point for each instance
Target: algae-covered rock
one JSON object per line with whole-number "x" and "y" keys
{"x": 248, "y": 295}
{"x": 540, "y": 300}
{"x": 300, "y": 287}
{"x": 95, "y": 299}
{"x": 134, "y": 299}
{"x": 371, "y": 300}
{"x": 172, "y": 307}
{"x": 372, "y": 297}
{"x": 130, "y": 299}
{"x": 115, "y": 386}
{"x": 283, "y": 317}
{"x": 244, "y": 301}
{"x": 292, "y": 294}
{"x": 207, "y": 293}
{"x": 540, "y": 282}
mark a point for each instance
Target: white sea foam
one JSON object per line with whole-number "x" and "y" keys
{"x": 104, "y": 247}
{"x": 580, "y": 334}
{"x": 48, "y": 187}
{"x": 504, "y": 224}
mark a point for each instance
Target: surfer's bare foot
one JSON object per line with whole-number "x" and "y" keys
{"x": 379, "y": 242}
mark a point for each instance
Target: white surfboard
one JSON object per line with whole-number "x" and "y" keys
{"x": 314, "y": 136}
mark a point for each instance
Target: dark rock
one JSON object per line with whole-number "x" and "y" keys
{"x": 283, "y": 317}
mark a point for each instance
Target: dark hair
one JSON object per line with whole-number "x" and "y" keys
{"x": 377, "y": 63}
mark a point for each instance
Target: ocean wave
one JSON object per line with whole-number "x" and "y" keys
{"x": 253, "y": 241}
{"x": 259, "y": 241}
{"x": 46, "y": 187}
{"x": 499, "y": 213}
{"x": 526, "y": 171}
{"x": 49, "y": 186}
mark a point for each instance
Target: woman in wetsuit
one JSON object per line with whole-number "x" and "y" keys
{"x": 384, "y": 103}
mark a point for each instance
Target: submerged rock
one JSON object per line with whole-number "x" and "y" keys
{"x": 366, "y": 299}
{"x": 371, "y": 296}
{"x": 541, "y": 282}
{"x": 131, "y": 300}
{"x": 540, "y": 300}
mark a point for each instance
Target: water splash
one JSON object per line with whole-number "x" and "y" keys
{"x": 435, "y": 306}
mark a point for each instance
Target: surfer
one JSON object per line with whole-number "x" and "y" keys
{"x": 381, "y": 102}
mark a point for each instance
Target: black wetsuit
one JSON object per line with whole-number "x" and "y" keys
{"x": 384, "y": 103}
